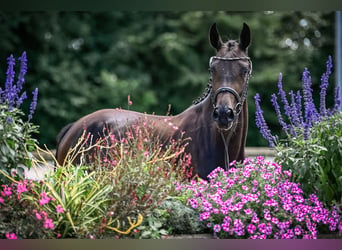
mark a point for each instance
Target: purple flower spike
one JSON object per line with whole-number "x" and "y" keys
{"x": 23, "y": 70}
{"x": 324, "y": 85}
{"x": 261, "y": 123}
{"x": 33, "y": 103}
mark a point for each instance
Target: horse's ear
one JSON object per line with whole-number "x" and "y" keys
{"x": 214, "y": 37}
{"x": 245, "y": 37}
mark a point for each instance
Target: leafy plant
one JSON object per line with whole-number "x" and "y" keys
{"x": 16, "y": 141}
{"x": 125, "y": 184}
{"x": 312, "y": 146}
{"x": 143, "y": 167}
{"x": 256, "y": 200}
{"x": 78, "y": 201}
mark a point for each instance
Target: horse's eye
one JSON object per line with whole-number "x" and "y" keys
{"x": 244, "y": 71}
{"x": 211, "y": 70}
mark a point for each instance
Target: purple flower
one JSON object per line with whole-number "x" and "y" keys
{"x": 33, "y": 103}
{"x": 23, "y": 70}
{"x": 324, "y": 86}
{"x": 282, "y": 94}
{"x": 261, "y": 123}
{"x": 278, "y": 112}
{"x": 10, "y": 91}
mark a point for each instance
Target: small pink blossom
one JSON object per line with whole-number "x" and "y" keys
{"x": 59, "y": 209}
{"x": 48, "y": 224}
{"x": 38, "y": 216}
{"x": 44, "y": 199}
{"x": 7, "y": 191}
{"x": 11, "y": 236}
{"x": 1, "y": 200}
{"x": 129, "y": 100}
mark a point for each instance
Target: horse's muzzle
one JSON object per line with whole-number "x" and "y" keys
{"x": 223, "y": 116}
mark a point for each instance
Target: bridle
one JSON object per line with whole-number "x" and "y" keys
{"x": 239, "y": 101}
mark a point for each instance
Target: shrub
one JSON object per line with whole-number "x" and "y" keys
{"x": 127, "y": 182}
{"x": 312, "y": 148}
{"x": 16, "y": 141}
{"x": 143, "y": 167}
{"x": 256, "y": 200}
{"x": 19, "y": 217}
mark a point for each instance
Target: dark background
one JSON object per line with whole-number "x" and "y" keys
{"x": 84, "y": 61}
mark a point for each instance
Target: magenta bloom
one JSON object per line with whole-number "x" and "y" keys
{"x": 59, "y": 209}
{"x": 7, "y": 191}
{"x": 217, "y": 228}
{"x": 251, "y": 228}
{"x": 38, "y": 216}
{"x": 11, "y": 236}
{"x": 48, "y": 224}
{"x": 44, "y": 199}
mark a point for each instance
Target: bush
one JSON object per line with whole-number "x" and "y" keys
{"x": 16, "y": 141}
{"x": 19, "y": 217}
{"x": 312, "y": 146}
{"x": 126, "y": 183}
{"x": 256, "y": 200}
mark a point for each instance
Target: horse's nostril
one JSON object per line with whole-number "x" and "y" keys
{"x": 230, "y": 114}
{"x": 216, "y": 114}
{"x": 223, "y": 115}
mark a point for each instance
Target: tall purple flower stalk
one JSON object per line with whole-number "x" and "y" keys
{"x": 33, "y": 103}
{"x": 261, "y": 123}
{"x": 12, "y": 95}
{"x": 301, "y": 112}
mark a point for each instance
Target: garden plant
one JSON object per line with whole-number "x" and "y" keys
{"x": 312, "y": 146}
{"x": 256, "y": 200}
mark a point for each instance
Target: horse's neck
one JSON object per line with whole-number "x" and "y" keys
{"x": 197, "y": 116}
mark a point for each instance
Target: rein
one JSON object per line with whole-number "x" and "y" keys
{"x": 239, "y": 99}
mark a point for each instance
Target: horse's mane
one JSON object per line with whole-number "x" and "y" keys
{"x": 205, "y": 93}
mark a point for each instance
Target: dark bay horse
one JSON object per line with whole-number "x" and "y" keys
{"x": 216, "y": 123}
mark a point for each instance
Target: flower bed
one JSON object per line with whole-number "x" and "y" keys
{"x": 256, "y": 200}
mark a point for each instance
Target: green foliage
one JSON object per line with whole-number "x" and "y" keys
{"x": 316, "y": 162}
{"x": 109, "y": 198}
{"x": 16, "y": 144}
{"x": 182, "y": 219}
{"x": 83, "y": 61}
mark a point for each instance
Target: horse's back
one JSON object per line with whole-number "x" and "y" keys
{"x": 97, "y": 124}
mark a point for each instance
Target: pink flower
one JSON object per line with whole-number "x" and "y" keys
{"x": 251, "y": 228}
{"x": 11, "y": 236}
{"x": 21, "y": 187}
{"x": 48, "y": 224}
{"x": 146, "y": 153}
{"x": 44, "y": 199}
{"x": 1, "y": 200}
{"x": 7, "y": 191}
{"x": 248, "y": 211}
{"x": 38, "y": 216}
{"x": 129, "y": 100}
{"x": 217, "y": 228}
{"x": 59, "y": 209}
{"x": 204, "y": 216}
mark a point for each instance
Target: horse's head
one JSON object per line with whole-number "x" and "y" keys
{"x": 230, "y": 70}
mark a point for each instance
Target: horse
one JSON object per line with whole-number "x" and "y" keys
{"x": 217, "y": 122}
